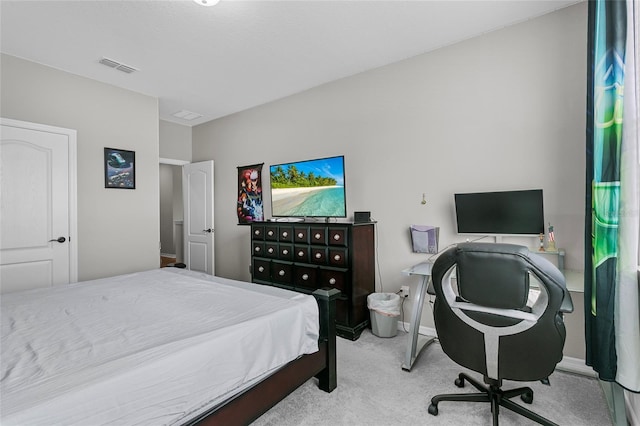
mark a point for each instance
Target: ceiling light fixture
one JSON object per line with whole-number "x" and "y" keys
{"x": 207, "y": 2}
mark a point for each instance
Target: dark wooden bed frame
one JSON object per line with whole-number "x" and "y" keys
{"x": 247, "y": 406}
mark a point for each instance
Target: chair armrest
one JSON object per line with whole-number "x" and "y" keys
{"x": 551, "y": 274}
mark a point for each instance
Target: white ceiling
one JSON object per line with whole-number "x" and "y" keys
{"x": 239, "y": 54}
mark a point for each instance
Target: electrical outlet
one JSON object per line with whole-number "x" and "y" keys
{"x": 404, "y": 291}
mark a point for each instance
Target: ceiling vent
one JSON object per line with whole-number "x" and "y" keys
{"x": 117, "y": 65}
{"x": 186, "y": 115}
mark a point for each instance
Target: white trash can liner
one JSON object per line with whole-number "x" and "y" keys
{"x": 384, "y": 303}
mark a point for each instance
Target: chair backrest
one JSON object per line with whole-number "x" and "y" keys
{"x": 488, "y": 321}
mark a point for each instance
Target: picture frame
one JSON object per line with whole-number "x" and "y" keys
{"x": 119, "y": 168}
{"x": 249, "y": 203}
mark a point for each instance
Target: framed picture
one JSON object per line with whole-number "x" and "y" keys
{"x": 119, "y": 168}
{"x": 249, "y": 202}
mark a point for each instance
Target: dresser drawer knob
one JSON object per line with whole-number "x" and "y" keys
{"x": 318, "y": 255}
{"x": 284, "y": 234}
{"x": 337, "y": 257}
{"x": 257, "y": 249}
{"x": 270, "y": 249}
{"x": 305, "y": 277}
{"x": 336, "y": 237}
{"x": 317, "y": 236}
{"x": 332, "y": 281}
{"x": 270, "y": 233}
{"x": 300, "y": 253}
{"x": 260, "y": 268}
{"x": 281, "y": 273}
{"x": 300, "y": 235}
{"x": 285, "y": 251}
{"x": 256, "y": 232}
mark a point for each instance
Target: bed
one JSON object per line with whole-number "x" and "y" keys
{"x": 167, "y": 346}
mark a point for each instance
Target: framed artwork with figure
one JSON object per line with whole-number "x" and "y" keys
{"x": 249, "y": 202}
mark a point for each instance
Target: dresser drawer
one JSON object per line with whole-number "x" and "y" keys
{"x": 271, "y": 233}
{"x": 270, "y": 250}
{"x": 301, "y": 235}
{"x": 337, "y": 257}
{"x": 317, "y": 235}
{"x": 282, "y": 272}
{"x": 318, "y": 255}
{"x": 301, "y": 253}
{"x": 258, "y": 248}
{"x": 261, "y": 269}
{"x": 334, "y": 278}
{"x": 257, "y": 232}
{"x": 285, "y": 251}
{"x": 285, "y": 233}
{"x": 305, "y": 276}
{"x": 337, "y": 237}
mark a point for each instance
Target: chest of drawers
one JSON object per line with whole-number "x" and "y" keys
{"x": 305, "y": 256}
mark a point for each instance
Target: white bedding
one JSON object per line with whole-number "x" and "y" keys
{"x": 154, "y": 347}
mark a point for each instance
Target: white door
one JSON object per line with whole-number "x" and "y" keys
{"x": 37, "y": 206}
{"x": 197, "y": 193}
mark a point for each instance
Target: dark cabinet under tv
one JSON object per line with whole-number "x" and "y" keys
{"x": 305, "y": 256}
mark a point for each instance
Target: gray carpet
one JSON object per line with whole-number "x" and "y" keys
{"x": 374, "y": 390}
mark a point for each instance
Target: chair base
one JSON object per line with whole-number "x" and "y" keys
{"x": 494, "y": 395}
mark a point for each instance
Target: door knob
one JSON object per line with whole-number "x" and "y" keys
{"x": 209, "y": 230}
{"x": 59, "y": 239}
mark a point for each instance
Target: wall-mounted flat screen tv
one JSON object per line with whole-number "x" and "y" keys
{"x": 500, "y": 213}
{"x": 310, "y": 188}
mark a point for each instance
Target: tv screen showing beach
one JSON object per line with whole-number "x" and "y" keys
{"x": 313, "y": 188}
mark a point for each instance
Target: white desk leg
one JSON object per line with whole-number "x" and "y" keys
{"x": 416, "y": 342}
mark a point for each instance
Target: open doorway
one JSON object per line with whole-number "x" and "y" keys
{"x": 171, "y": 215}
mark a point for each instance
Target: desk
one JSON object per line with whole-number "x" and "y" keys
{"x": 416, "y": 342}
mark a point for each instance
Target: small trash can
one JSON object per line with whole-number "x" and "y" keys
{"x": 384, "y": 309}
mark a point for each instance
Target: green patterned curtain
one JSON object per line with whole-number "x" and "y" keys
{"x": 612, "y": 140}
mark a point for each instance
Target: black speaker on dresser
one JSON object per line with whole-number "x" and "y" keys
{"x": 361, "y": 217}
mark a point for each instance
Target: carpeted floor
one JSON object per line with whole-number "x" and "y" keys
{"x": 374, "y": 390}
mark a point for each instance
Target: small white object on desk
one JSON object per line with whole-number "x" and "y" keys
{"x": 416, "y": 342}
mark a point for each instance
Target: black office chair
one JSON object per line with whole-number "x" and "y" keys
{"x": 489, "y": 324}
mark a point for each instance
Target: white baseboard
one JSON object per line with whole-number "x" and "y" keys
{"x": 576, "y": 366}
{"x": 168, "y": 255}
{"x": 568, "y": 364}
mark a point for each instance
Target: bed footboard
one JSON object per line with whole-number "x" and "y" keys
{"x": 326, "y": 298}
{"x": 252, "y": 403}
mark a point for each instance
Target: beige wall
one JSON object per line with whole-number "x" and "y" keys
{"x": 498, "y": 112}
{"x": 175, "y": 141}
{"x": 118, "y": 230}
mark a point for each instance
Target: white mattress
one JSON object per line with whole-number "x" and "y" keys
{"x": 155, "y": 347}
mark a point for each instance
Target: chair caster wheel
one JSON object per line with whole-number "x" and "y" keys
{"x": 527, "y": 397}
{"x": 433, "y": 410}
{"x": 459, "y": 382}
